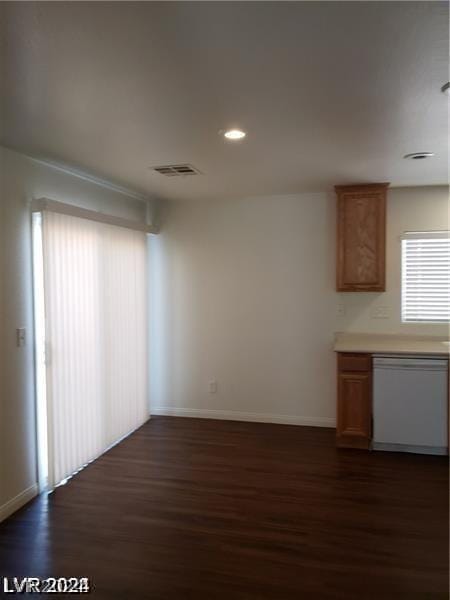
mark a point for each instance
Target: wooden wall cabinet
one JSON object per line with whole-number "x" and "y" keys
{"x": 361, "y": 237}
{"x": 354, "y": 406}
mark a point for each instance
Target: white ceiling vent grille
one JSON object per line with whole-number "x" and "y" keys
{"x": 176, "y": 170}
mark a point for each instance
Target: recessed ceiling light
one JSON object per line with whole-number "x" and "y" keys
{"x": 446, "y": 88}
{"x": 234, "y": 134}
{"x": 419, "y": 155}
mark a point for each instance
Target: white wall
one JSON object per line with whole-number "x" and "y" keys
{"x": 243, "y": 293}
{"x": 21, "y": 180}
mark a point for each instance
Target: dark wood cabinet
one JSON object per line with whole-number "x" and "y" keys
{"x": 354, "y": 407}
{"x": 361, "y": 237}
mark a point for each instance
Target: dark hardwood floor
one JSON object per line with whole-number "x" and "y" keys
{"x": 204, "y": 510}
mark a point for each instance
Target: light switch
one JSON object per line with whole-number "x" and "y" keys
{"x": 212, "y": 387}
{"x": 20, "y": 337}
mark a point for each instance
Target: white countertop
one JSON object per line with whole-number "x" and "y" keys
{"x": 374, "y": 343}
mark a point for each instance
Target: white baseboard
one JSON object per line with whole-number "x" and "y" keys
{"x": 18, "y": 501}
{"x": 234, "y": 415}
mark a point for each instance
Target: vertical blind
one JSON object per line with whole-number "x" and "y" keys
{"x": 426, "y": 276}
{"x": 94, "y": 279}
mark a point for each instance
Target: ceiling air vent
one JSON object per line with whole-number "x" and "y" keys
{"x": 176, "y": 170}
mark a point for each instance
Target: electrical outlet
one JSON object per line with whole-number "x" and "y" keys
{"x": 340, "y": 310}
{"x": 20, "y": 337}
{"x": 212, "y": 387}
{"x": 380, "y": 312}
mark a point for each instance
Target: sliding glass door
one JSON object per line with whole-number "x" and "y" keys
{"x": 91, "y": 335}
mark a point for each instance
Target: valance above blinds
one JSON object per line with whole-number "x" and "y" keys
{"x": 47, "y": 205}
{"x": 426, "y": 276}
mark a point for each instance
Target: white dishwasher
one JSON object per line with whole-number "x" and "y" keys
{"x": 410, "y": 404}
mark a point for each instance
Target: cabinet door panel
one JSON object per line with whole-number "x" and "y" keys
{"x": 354, "y": 409}
{"x": 361, "y": 238}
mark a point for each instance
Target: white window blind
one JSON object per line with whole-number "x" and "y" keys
{"x": 426, "y": 276}
{"x": 95, "y": 327}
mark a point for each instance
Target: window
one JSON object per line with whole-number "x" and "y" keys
{"x": 426, "y": 277}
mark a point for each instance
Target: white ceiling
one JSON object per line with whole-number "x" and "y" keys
{"x": 329, "y": 92}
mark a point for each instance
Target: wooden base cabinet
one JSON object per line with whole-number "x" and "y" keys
{"x": 354, "y": 408}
